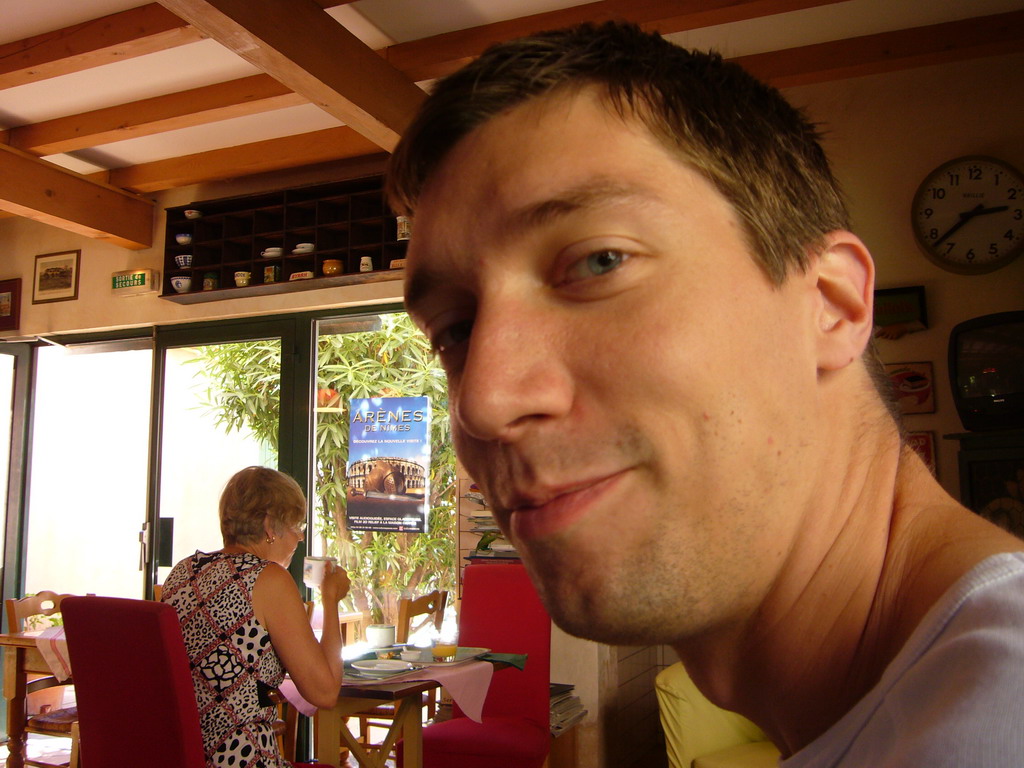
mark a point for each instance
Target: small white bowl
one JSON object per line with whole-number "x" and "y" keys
{"x": 192, "y": 213}
{"x": 181, "y": 284}
{"x": 271, "y": 253}
{"x": 415, "y": 655}
{"x": 304, "y": 248}
{"x": 183, "y": 238}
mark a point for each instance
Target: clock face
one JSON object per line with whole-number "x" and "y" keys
{"x": 968, "y": 215}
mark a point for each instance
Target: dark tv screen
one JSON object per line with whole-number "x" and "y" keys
{"x": 986, "y": 365}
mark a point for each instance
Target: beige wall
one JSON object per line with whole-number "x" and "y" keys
{"x": 885, "y": 133}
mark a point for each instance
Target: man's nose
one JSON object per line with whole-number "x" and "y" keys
{"x": 516, "y": 374}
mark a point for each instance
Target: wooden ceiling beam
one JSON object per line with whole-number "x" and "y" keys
{"x": 39, "y": 190}
{"x": 258, "y": 157}
{"x": 889, "y": 51}
{"x": 296, "y": 43}
{"x": 197, "y": 106}
{"x": 119, "y": 36}
{"x": 433, "y": 57}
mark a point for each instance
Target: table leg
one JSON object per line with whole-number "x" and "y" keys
{"x": 329, "y": 723}
{"x": 412, "y": 734}
{"x": 14, "y": 693}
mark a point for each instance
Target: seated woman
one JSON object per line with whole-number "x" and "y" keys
{"x": 245, "y": 623}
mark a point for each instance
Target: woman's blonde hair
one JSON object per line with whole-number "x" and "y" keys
{"x": 254, "y": 494}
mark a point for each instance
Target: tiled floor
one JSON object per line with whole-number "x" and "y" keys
{"x": 52, "y": 750}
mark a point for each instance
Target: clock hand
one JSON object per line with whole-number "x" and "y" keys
{"x": 978, "y": 210}
{"x": 964, "y": 218}
{"x": 994, "y": 209}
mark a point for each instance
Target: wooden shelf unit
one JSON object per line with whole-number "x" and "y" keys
{"x": 346, "y": 221}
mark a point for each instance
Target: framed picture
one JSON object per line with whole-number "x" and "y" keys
{"x": 899, "y": 311}
{"x": 913, "y": 386}
{"x": 56, "y": 277}
{"x": 924, "y": 444}
{"x": 10, "y": 304}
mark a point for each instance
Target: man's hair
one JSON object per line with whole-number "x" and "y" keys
{"x": 254, "y": 494}
{"x": 760, "y": 152}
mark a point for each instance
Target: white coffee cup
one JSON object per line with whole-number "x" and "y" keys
{"x": 313, "y": 570}
{"x": 380, "y": 635}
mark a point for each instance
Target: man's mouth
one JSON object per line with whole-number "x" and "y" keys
{"x": 541, "y": 513}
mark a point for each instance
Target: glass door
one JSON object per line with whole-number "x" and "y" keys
{"x": 220, "y": 411}
{"x": 386, "y": 359}
{"x": 88, "y": 465}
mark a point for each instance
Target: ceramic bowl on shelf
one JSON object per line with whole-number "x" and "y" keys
{"x": 304, "y": 248}
{"x": 183, "y": 238}
{"x": 270, "y": 253}
{"x": 183, "y": 260}
{"x": 181, "y": 283}
{"x": 332, "y": 267}
{"x": 192, "y": 213}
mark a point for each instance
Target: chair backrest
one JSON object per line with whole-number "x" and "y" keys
{"x": 45, "y": 603}
{"x": 408, "y": 608}
{"x": 502, "y": 611}
{"x": 136, "y": 703}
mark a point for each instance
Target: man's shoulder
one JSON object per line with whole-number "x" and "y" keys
{"x": 951, "y": 697}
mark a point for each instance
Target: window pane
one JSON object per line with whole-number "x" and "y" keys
{"x": 221, "y": 408}
{"x": 380, "y": 356}
{"x": 88, "y": 471}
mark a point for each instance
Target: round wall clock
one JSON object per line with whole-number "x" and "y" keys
{"x": 967, "y": 215}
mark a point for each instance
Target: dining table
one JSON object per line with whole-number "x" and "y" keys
{"x": 28, "y": 653}
{"x": 466, "y": 682}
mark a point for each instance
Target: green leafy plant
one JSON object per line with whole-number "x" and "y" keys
{"x": 394, "y": 360}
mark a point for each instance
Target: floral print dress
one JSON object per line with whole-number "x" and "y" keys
{"x": 233, "y": 663}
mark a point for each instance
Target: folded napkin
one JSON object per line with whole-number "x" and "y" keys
{"x": 54, "y": 648}
{"x": 517, "y": 660}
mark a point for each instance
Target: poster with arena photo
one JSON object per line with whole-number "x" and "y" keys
{"x": 389, "y": 464}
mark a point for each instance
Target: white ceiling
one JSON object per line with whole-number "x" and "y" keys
{"x": 378, "y": 23}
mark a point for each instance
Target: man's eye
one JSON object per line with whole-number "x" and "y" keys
{"x": 596, "y": 264}
{"x": 451, "y": 336}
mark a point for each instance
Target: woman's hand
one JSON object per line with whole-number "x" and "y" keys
{"x": 335, "y": 584}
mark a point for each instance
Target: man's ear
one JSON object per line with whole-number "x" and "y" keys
{"x": 845, "y": 282}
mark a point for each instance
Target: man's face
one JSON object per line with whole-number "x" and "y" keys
{"x": 625, "y": 384}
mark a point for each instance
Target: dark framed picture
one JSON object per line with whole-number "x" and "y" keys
{"x": 992, "y": 484}
{"x": 56, "y": 277}
{"x": 10, "y": 304}
{"x": 924, "y": 444}
{"x": 899, "y": 311}
{"x": 913, "y": 386}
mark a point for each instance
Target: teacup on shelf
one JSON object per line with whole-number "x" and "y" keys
{"x": 181, "y": 283}
{"x": 304, "y": 248}
{"x": 270, "y": 253}
{"x": 192, "y": 213}
{"x": 183, "y": 260}
{"x": 183, "y": 238}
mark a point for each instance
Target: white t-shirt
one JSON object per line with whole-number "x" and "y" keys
{"x": 954, "y": 695}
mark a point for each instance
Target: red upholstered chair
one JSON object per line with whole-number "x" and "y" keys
{"x": 501, "y": 611}
{"x": 131, "y": 651}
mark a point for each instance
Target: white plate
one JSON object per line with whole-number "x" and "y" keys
{"x": 382, "y": 667}
{"x": 461, "y": 655}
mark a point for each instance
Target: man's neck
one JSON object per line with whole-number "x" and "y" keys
{"x": 876, "y": 555}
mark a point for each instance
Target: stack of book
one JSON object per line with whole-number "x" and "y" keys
{"x": 566, "y": 708}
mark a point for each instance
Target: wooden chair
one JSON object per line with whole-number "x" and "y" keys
{"x": 432, "y": 604}
{"x": 62, "y": 722}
